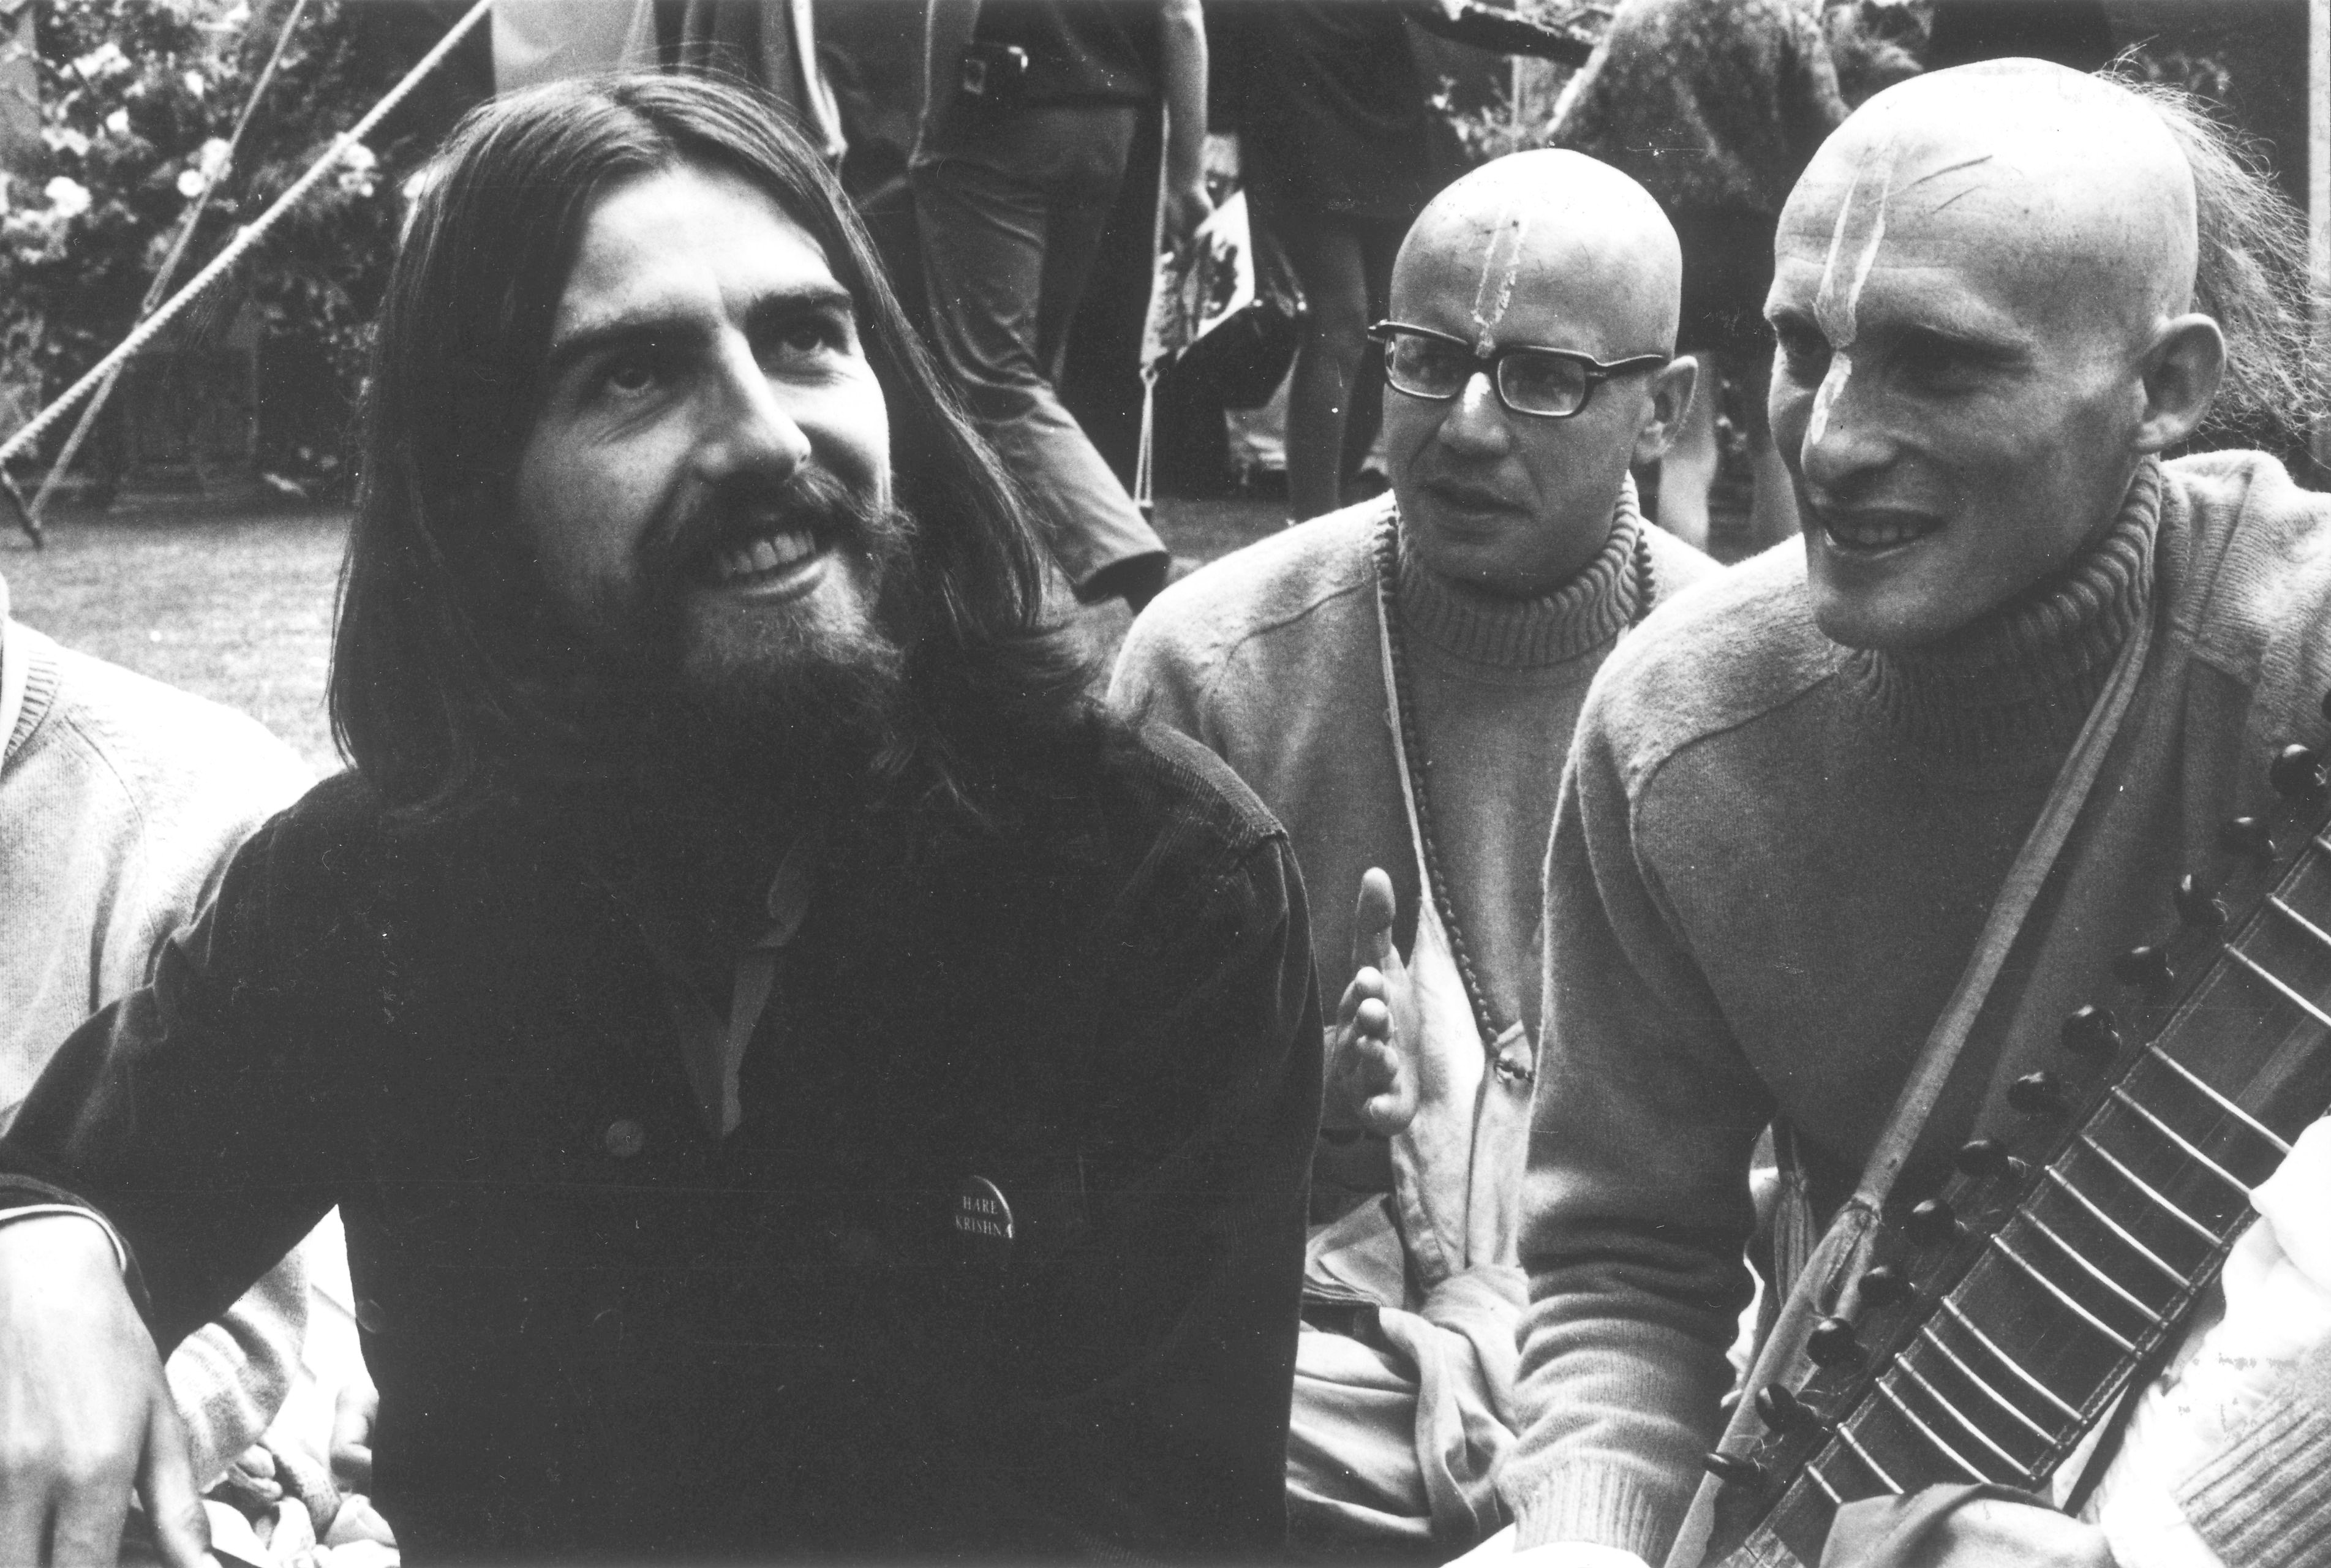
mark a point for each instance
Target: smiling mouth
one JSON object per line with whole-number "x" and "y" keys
{"x": 763, "y": 557}
{"x": 1870, "y": 532}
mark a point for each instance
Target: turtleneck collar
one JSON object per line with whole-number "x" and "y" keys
{"x": 2024, "y": 677}
{"x": 1580, "y": 616}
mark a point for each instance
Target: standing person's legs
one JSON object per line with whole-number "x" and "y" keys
{"x": 1379, "y": 241}
{"x": 1689, "y": 469}
{"x": 1072, "y": 236}
{"x": 1330, "y": 264}
{"x": 988, "y": 237}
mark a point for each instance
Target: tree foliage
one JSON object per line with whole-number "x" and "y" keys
{"x": 138, "y": 99}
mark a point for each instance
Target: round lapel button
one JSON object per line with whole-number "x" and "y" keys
{"x": 982, "y": 1219}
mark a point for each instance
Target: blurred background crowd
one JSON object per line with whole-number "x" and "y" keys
{"x": 1010, "y": 159}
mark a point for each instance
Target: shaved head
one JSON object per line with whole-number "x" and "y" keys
{"x": 2076, "y": 173}
{"x": 1551, "y": 222}
{"x": 1537, "y": 250}
{"x": 1983, "y": 291}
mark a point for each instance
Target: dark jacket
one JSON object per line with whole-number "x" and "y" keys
{"x": 599, "y": 1331}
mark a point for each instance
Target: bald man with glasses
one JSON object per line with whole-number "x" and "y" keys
{"x": 1399, "y": 681}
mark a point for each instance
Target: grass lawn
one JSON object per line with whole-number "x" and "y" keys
{"x": 236, "y": 609}
{"x": 240, "y": 608}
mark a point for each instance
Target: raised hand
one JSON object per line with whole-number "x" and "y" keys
{"x": 1372, "y": 1074}
{"x": 85, "y": 1416}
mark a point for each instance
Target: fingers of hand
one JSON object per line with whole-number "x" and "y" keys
{"x": 78, "y": 1379}
{"x": 1392, "y": 1107}
{"x": 65, "y": 1497}
{"x": 91, "y": 1510}
{"x": 1367, "y": 985}
{"x": 352, "y": 1421}
{"x": 1371, "y": 921}
{"x": 166, "y": 1480}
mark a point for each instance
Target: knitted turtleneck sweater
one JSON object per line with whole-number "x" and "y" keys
{"x": 1269, "y": 658}
{"x": 120, "y": 800}
{"x": 1771, "y": 862}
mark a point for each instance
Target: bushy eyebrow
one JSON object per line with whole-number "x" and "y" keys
{"x": 791, "y": 306}
{"x": 627, "y": 329}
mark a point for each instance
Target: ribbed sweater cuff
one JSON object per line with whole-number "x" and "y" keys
{"x": 2266, "y": 1501}
{"x": 1609, "y": 1508}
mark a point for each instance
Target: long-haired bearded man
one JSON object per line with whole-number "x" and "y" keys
{"x": 799, "y": 1080}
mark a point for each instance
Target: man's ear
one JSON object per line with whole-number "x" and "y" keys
{"x": 2181, "y": 368}
{"x": 1670, "y": 389}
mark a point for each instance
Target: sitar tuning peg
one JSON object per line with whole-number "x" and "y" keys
{"x": 1781, "y": 1411}
{"x": 2196, "y": 906}
{"x": 1984, "y": 1158}
{"x": 1833, "y": 1342}
{"x": 2247, "y": 836}
{"x": 2296, "y": 770}
{"x": 2038, "y": 1094}
{"x": 2092, "y": 1032}
{"x": 1932, "y": 1222}
{"x": 1732, "y": 1469}
{"x": 2146, "y": 965}
{"x": 1884, "y": 1286}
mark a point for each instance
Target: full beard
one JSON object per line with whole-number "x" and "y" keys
{"x": 793, "y": 708}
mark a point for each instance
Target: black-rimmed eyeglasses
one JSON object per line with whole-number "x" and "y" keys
{"x": 1549, "y": 382}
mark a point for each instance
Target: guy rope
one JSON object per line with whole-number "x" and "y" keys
{"x": 244, "y": 241}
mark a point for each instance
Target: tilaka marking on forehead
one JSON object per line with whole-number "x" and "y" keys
{"x": 1501, "y": 265}
{"x": 1853, "y": 245}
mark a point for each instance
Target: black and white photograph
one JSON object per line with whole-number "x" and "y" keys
{"x": 1352, "y": 784}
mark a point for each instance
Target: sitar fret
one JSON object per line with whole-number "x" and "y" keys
{"x": 2207, "y": 1235}
{"x": 1928, "y": 1334}
{"x": 2121, "y": 1096}
{"x": 1990, "y": 1348}
{"x": 1998, "y": 1243}
{"x": 2032, "y": 1221}
{"x": 2275, "y": 901}
{"x": 2194, "y": 1080}
{"x": 2271, "y": 978}
{"x": 1853, "y": 1446}
{"x": 1902, "y": 1409}
{"x": 2063, "y": 1184}
{"x": 1973, "y": 1429}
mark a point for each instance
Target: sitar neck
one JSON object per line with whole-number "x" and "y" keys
{"x": 2011, "y": 1310}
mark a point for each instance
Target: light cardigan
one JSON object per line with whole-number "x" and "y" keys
{"x": 1268, "y": 657}
{"x": 1769, "y": 863}
{"x": 1271, "y": 657}
{"x": 119, "y": 802}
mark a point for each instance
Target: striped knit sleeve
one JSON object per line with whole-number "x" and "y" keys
{"x": 2265, "y": 1500}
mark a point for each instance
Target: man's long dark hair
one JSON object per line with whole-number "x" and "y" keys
{"x": 438, "y": 687}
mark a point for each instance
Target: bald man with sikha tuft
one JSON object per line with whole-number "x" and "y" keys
{"x": 1398, "y": 682}
{"x": 1900, "y": 792}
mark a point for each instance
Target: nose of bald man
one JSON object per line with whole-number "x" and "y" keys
{"x": 1477, "y": 422}
{"x": 1843, "y": 442}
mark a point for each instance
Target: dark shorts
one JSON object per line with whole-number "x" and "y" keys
{"x": 1727, "y": 270}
